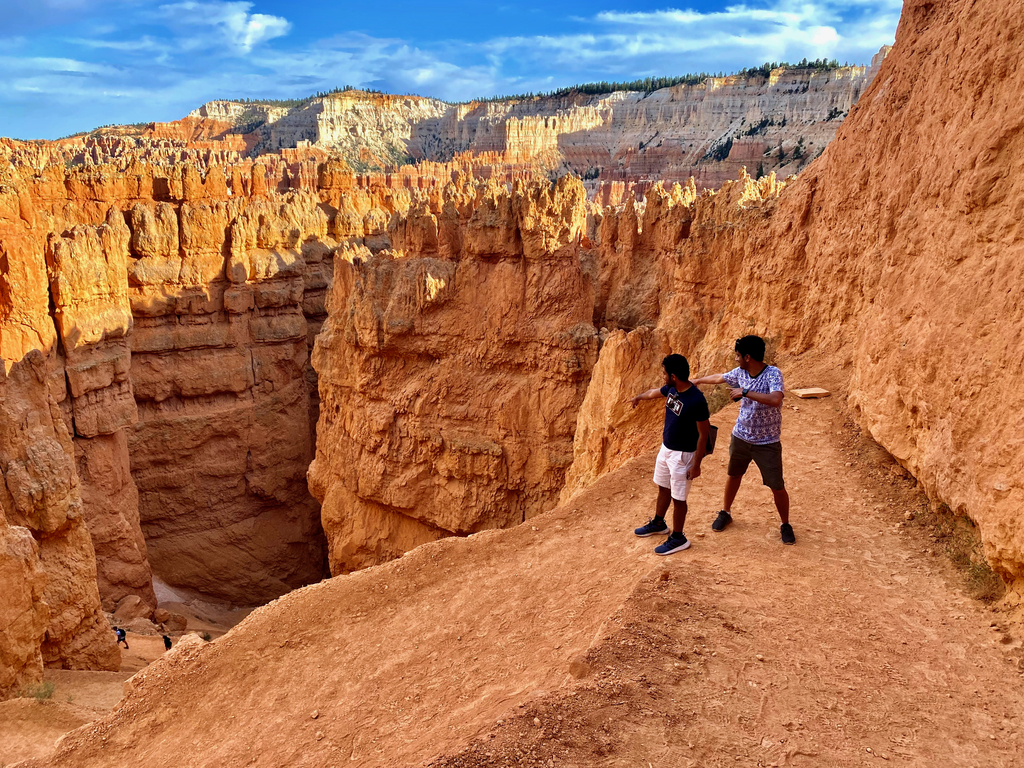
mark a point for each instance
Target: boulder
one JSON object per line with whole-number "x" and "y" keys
{"x": 176, "y": 623}
{"x": 132, "y": 607}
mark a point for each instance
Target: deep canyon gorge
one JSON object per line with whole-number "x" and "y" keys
{"x": 242, "y": 362}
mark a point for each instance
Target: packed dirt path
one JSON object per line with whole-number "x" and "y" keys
{"x": 567, "y": 642}
{"x": 857, "y": 646}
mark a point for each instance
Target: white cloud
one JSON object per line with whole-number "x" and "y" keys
{"x": 43, "y": 65}
{"x": 144, "y": 43}
{"x": 677, "y": 41}
{"x": 232, "y": 22}
{"x": 158, "y": 59}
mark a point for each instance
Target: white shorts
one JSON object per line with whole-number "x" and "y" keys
{"x": 670, "y": 471}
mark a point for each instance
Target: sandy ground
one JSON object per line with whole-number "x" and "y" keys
{"x": 860, "y": 645}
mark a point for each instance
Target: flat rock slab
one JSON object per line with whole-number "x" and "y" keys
{"x": 806, "y": 392}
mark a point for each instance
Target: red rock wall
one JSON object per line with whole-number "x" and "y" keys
{"x": 50, "y": 604}
{"x": 185, "y": 317}
{"x": 451, "y": 370}
{"x": 891, "y": 262}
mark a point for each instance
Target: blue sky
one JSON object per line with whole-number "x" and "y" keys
{"x": 72, "y": 65}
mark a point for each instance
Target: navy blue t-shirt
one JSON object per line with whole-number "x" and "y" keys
{"x": 682, "y": 412}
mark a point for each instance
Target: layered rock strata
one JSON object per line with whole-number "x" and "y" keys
{"x": 451, "y": 370}
{"x": 219, "y": 355}
{"x": 621, "y": 142}
{"x": 89, "y": 294}
{"x": 182, "y": 310}
{"x": 706, "y": 130}
{"x": 50, "y": 607}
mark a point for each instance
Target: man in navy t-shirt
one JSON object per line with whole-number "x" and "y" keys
{"x": 684, "y": 443}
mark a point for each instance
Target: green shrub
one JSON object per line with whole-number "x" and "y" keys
{"x": 39, "y": 691}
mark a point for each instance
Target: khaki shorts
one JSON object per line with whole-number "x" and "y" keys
{"x": 768, "y": 459}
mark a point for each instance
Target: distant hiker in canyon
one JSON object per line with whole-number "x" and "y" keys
{"x": 121, "y": 637}
{"x": 684, "y": 443}
{"x": 758, "y": 431}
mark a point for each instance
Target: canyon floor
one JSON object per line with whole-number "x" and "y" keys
{"x": 863, "y": 644}
{"x": 29, "y": 727}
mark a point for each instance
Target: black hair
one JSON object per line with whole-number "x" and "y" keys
{"x": 677, "y": 366}
{"x": 751, "y": 345}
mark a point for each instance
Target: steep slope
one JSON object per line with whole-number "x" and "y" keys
{"x": 568, "y": 640}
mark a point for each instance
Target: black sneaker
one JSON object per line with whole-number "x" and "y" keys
{"x": 787, "y": 534}
{"x": 672, "y": 544}
{"x": 723, "y": 519}
{"x": 654, "y": 527}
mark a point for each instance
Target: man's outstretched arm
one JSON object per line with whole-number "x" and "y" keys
{"x": 650, "y": 394}
{"x": 714, "y": 378}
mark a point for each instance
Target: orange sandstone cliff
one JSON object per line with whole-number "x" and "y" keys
{"x": 50, "y": 603}
{"x": 890, "y": 262}
{"x": 451, "y": 370}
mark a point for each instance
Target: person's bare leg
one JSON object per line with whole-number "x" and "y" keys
{"x": 732, "y": 487}
{"x": 664, "y": 497}
{"x": 781, "y": 503}
{"x": 678, "y": 515}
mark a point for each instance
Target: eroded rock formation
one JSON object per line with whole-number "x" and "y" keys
{"x": 87, "y": 267}
{"x": 219, "y": 352}
{"x": 158, "y": 403}
{"x": 50, "y": 606}
{"x": 893, "y": 258}
{"x": 831, "y": 269}
{"x": 458, "y": 357}
{"x": 451, "y": 370}
{"x": 621, "y": 142}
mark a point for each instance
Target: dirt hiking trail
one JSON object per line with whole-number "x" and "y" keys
{"x": 857, "y": 646}
{"x": 567, "y": 642}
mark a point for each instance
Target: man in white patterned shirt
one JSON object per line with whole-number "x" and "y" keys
{"x": 758, "y": 431}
